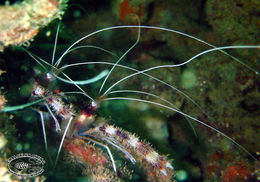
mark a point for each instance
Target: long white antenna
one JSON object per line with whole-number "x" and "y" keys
{"x": 181, "y": 64}
{"x": 186, "y": 115}
{"x": 136, "y": 42}
{"x": 55, "y": 44}
{"x": 62, "y": 140}
{"x": 150, "y": 27}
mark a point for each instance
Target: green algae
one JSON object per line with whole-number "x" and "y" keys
{"x": 188, "y": 79}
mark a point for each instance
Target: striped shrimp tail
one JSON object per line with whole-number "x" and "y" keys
{"x": 155, "y": 166}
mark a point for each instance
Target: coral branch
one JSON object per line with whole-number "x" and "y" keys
{"x": 21, "y": 22}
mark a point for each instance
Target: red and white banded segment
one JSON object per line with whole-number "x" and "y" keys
{"x": 53, "y": 100}
{"x": 141, "y": 151}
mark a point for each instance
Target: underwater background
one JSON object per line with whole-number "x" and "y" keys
{"x": 225, "y": 92}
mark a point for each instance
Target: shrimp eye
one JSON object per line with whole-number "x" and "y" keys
{"x": 43, "y": 80}
{"x": 89, "y": 109}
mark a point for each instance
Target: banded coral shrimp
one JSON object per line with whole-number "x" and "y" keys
{"x": 154, "y": 119}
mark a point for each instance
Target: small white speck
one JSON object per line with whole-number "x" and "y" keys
{"x": 38, "y": 91}
{"x": 110, "y": 130}
{"x": 164, "y": 172}
{"x": 168, "y": 165}
{"x": 133, "y": 141}
{"x": 152, "y": 157}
